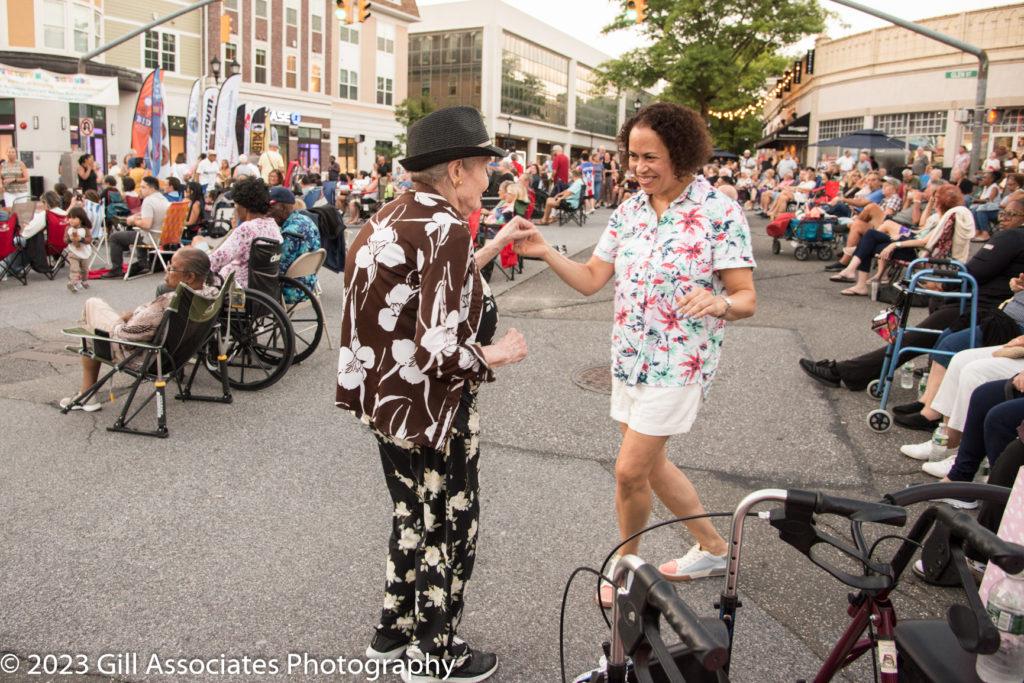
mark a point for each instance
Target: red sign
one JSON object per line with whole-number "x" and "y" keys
{"x": 85, "y": 127}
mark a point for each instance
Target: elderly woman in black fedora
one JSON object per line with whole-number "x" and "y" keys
{"x": 416, "y": 344}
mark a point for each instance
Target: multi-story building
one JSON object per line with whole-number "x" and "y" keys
{"x": 907, "y": 85}
{"x": 534, "y": 84}
{"x": 330, "y": 88}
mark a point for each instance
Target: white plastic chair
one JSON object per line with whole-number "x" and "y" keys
{"x": 309, "y": 264}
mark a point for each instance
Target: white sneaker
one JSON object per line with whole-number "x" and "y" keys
{"x": 939, "y": 468}
{"x": 695, "y": 564}
{"x": 926, "y": 450}
{"x": 958, "y": 504}
{"x": 91, "y": 406}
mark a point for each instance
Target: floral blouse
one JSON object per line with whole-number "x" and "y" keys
{"x": 233, "y": 255}
{"x": 699, "y": 234}
{"x": 413, "y": 303}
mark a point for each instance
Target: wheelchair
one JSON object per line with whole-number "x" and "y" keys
{"x": 567, "y": 213}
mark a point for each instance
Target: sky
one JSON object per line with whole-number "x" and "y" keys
{"x": 588, "y": 17}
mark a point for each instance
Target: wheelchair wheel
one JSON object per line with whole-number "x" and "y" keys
{"x": 307, "y": 319}
{"x": 879, "y": 420}
{"x": 825, "y": 253}
{"x": 801, "y": 253}
{"x": 260, "y": 344}
{"x": 875, "y": 389}
{"x": 776, "y": 245}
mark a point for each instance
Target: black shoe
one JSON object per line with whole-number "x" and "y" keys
{"x": 917, "y": 421}
{"x": 908, "y": 408}
{"x": 834, "y": 267}
{"x": 479, "y": 667}
{"x": 112, "y": 275}
{"x": 823, "y": 371}
{"x": 384, "y": 647}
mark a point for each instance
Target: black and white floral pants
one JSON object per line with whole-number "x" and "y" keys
{"x": 433, "y": 542}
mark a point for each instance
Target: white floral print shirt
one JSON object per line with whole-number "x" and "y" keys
{"x": 656, "y": 261}
{"x": 413, "y": 302}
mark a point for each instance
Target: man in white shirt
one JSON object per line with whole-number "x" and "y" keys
{"x": 207, "y": 171}
{"x": 245, "y": 168}
{"x": 787, "y": 165}
{"x": 149, "y": 218}
{"x": 748, "y": 163}
{"x": 270, "y": 160}
{"x": 846, "y": 162}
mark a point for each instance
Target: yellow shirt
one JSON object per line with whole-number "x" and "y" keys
{"x": 270, "y": 160}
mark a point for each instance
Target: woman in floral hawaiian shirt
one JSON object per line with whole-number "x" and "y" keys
{"x": 681, "y": 257}
{"x": 415, "y": 345}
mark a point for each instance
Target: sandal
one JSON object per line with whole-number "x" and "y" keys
{"x": 850, "y": 291}
{"x": 842, "y": 278}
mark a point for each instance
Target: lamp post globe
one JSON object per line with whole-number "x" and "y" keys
{"x": 215, "y": 68}
{"x": 637, "y": 104}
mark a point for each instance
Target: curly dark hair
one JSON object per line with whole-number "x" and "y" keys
{"x": 251, "y": 193}
{"x": 681, "y": 129}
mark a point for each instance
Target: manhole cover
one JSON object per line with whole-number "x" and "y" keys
{"x": 597, "y": 378}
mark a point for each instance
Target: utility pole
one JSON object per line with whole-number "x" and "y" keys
{"x": 979, "y": 98}
{"x": 131, "y": 34}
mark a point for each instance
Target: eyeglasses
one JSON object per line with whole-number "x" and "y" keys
{"x": 172, "y": 269}
{"x": 1011, "y": 214}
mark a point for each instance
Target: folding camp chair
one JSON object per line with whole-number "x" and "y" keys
{"x": 9, "y": 229}
{"x": 306, "y": 316}
{"x": 98, "y": 217}
{"x": 56, "y": 243}
{"x": 187, "y": 329}
{"x": 170, "y": 239}
{"x": 134, "y": 203}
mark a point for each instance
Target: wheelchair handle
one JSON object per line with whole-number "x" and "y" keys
{"x": 858, "y": 510}
{"x": 1008, "y": 556}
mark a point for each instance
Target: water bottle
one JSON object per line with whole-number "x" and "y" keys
{"x": 923, "y": 384}
{"x": 940, "y": 442}
{"x": 907, "y": 376}
{"x": 1006, "y": 608}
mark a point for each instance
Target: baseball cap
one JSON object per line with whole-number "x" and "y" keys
{"x": 281, "y": 195}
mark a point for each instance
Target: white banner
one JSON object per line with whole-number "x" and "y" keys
{"x": 227, "y": 110}
{"x": 39, "y": 84}
{"x": 193, "y": 125}
{"x": 207, "y": 118}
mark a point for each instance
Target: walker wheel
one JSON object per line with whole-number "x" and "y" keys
{"x": 825, "y": 253}
{"x": 801, "y": 253}
{"x": 879, "y": 420}
{"x": 776, "y": 245}
{"x": 875, "y": 389}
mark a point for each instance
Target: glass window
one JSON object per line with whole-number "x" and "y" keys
{"x": 53, "y": 24}
{"x": 314, "y": 78}
{"x": 230, "y": 53}
{"x": 261, "y": 9}
{"x": 159, "y": 51}
{"x": 168, "y": 52}
{"x": 596, "y": 110}
{"x": 231, "y": 4}
{"x": 291, "y": 16}
{"x": 534, "y": 81}
{"x": 317, "y": 22}
{"x": 347, "y": 153}
{"x": 385, "y": 90}
{"x": 260, "y": 72}
{"x": 348, "y": 85}
{"x": 348, "y": 35}
{"x": 291, "y": 71}
{"x": 98, "y": 26}
{"x": 439, "y": 61}
{"x": 81, "y": 27}
{"x": 833, "y": 128}
{"x": 385, "y": 45}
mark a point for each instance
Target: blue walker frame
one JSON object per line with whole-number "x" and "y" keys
{"x": 880, "y": 419}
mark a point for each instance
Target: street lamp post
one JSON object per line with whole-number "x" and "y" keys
{"x": 636, "y": 105}
{"x": 508, "y": 137}
{"x": 215, "y": 69}
{"x": 234, "y": 67}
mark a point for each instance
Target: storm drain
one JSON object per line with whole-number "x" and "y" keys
{"x": 597, "y": 379}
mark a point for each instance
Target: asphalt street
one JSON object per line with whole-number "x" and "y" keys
{"x": 260, "y": 528}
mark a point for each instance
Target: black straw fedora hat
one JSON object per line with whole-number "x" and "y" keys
{"x": 447, "y": 135}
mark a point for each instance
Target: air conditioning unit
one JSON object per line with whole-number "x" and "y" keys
{"x": 292, "y": 43}
{"x": 962, "y": 115}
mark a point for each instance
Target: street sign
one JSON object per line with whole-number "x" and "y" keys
{"x": 85, "y": 127}
{"x": 962, "y": 73}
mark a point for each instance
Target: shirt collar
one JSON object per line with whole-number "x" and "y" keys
{"x": 696, "y": 192}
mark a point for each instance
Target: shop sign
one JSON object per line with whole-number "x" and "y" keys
{"x": 293, "y": 118}
{"x": 40, "y": 84}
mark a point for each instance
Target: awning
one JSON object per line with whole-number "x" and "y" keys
{"x": 793, "y": 133}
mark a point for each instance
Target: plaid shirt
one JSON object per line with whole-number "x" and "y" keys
{"x": 892, "y": 205}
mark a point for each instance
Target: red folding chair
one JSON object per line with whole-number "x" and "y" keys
{"x": 56, "y": 242}
{"x": 8, "y": 231}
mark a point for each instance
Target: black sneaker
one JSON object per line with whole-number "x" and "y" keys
{"x": 823, "y": 371}
{"x": 916, "y": 421}
{"x": 385, "y": 647}
{"x": 478, "y": 667}
{"x": 835, "y": 267}
{"x": 908, "y": 408}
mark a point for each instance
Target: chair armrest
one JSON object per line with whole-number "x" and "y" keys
{"x": 85, "y": 333}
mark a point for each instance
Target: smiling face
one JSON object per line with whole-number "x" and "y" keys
{"x": 650, "y": 161}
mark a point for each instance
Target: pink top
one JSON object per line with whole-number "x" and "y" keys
{"x": 233, "y": 255}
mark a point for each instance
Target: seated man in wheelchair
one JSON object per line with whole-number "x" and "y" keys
{"x": 252, "y": 206}
{"x": 300, "y": 234}
{"x": 566, "y": 200}
{"x": 188, "y": 266}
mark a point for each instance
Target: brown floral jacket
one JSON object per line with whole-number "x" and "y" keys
{"x": 413, "y": 301}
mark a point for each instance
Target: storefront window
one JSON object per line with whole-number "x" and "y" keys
{"x": 534, "y": 81}
{"x": 7, "y": 127}
{"x": 309, "y": 146}
{"x": 347, "y": 155}
{"x": 446, "y": 67}
{"x": 834, "y": 128}
{"x": 176, "y": 133}
{"x": 924, "y": 129}
{"x": 95, "y": 144}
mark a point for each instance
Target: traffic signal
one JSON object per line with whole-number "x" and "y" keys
{"x": 225, "y": 28}
{"x": 636, "y": 9}
{"x": 345, "y": 11}
{"x": 364, "y": 10}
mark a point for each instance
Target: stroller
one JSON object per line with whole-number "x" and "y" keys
{"x": 955, "y": 284}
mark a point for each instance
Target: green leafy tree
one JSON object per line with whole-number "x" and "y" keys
{"x": 714, "y": 54}
{"x": 407, "y": 112}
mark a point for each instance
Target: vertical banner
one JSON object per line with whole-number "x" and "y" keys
{"x": 142, "y": 121}
{"x": 207, "y": 113}
{"x": 241, "y": 130}
{"x": 258, "y": 131}
{"x": 227, "y": 110}
{"x": 193, "y": 124}
{"x": 157, "y": 137}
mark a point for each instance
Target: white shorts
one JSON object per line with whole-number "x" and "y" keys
{"x": 655, "y": 411}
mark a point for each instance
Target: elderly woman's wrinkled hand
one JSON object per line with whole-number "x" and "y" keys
{"x": 699, "y": 302}
{"x": 515, "y": 231}
{"x": 508, "y": 350}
